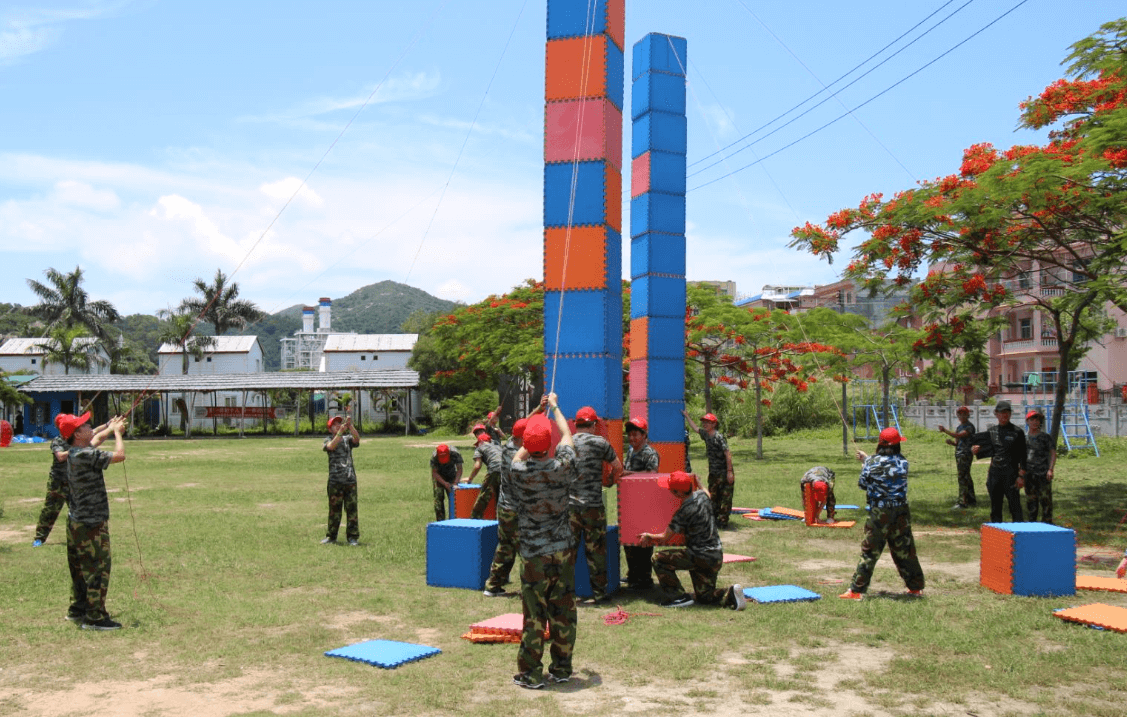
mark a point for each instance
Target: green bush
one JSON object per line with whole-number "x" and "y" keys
{"x": 461, "y": 412}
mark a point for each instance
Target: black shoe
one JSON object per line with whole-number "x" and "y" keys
{"x": 104, "y": 624}
{"x": 558, "y": 679}
{"x": 683, "y": 601}
{"x": 522, "y": 680}
{"x": 76, "y": 617}
{"x": 328, "y": 541}
{"x": 735, "y": 599}
{"x": 499, "y": 592}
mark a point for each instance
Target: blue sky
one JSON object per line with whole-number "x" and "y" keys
{"x": 153, "y": 141}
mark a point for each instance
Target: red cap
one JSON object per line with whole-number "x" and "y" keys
{"x": 443, "y": 453}
{"x": 891, "y": 436}
{"x": 710, "y": 417}
{"x": 68, "y": 424}
{"x": 518, "y": 427}
{"x": 334, "y": 418}
{"x": 537, "y": 434}
{"x": 962, "y": 409}
{"x": 677, "y": 480}
{"x": 478, "y": 427}
{"x": 819, "y": 489}
{"x": 586, "y": 415}
{"x": 489, "y": 415}
{"x": 58, "y": 418}
{"x": 1034, "y": 413}
{"x": 640, "y": 423}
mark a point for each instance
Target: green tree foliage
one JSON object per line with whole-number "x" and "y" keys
{"x": 15, "y": 320}
{"x": 178, "y": 329}
{"x": 72, "y": 348}
{"x": 219, "y": 304}
{"x": 461, "y": 412}
{"x": 63, "y": 302}
{"x": 9, "y": 396}
{"x": 141, "y": 331}
{"x": 1057, "y": 211}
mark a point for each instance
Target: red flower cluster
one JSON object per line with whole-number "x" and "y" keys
{"x": 977, "y": 159}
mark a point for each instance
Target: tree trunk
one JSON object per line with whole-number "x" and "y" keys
{"x": 844, "y": 421}
{"x": 885, "y": 374}
{"x": 758, "y": 408}
{"x": 707, "y": 384}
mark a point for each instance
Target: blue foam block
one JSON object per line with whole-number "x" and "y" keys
{"x": 571, "y": 18}
{"x": 591, "y": 321}
{"x": 780, "y": 593}
{"x": 657, "y": 296}
{"x": 665, "y": 381}
{"x": 655, "y": 253}
{"x": 587, "y": 381}
{"x": 583, "y": 574}
{"x": 590, "y": 194}
{"x": 667, "y": 172}
{"x": 459, "y": 552}
{"x": 654, "y": 53}
{"x": 667, "y": 425}
{"x": 657, "y": 212}
{"x": 659, "y": 132}
{"x": 1044, "y": 559}
{"x": 387, "y": 654}
{"x": 657, "y": 92}
{"x": 666, "y": 340}
{"x": 616, "y": 75}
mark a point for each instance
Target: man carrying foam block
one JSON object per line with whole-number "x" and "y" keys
{"x": 703, "y": 554}
{"x": 587, "y": 514}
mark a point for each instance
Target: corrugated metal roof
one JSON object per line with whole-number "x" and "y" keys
{"x": 222, "y": 345}
{"x": 29, "y": 347}
{"x": 312, "y": 380}
{"x": 353, "y": 343}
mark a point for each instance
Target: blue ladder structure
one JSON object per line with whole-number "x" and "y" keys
{"x": 871, "y": 415}
{"x": 1075, "y": 428}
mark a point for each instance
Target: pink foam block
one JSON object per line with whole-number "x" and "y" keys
{"x": 639, "y": 372}
{"x": 640, "y": 175}
{"x": 579, "y": 130}
{"x": 644, "y": 507}
{"x": 734, "y": 558}
{"x": 508, "y": 624}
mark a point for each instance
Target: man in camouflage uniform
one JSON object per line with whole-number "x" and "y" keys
{"x": 640, "y": 458}
{"x": 1004, "y": 444}
{"x": 721, "y": 477}
{"x": 495, "y": 433}
{"x": 541, "y": 485}
{"x": 342, "y": 479}
{"x": 1040, "y": 461}
{"x": 884, "y": 478}
{"x": 703, "y": 555}
{"x": 489, "y": 454}
{"x": 586, "y": 511}
{"x": 57, "y": 488}
{"x": 962, "y": 438}
{"x": 88, "y": 522}
{"x": 445, "y": 472}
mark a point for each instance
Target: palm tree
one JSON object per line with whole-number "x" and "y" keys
{"x": 63, "y": 302}
{"x": 219, "y": 304}
{"x": 178, "y": 329}
{"x": 72, "y": 348}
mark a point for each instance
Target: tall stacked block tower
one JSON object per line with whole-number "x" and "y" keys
{"x": 584, "y": 87}
{"x": 657, "y": 243}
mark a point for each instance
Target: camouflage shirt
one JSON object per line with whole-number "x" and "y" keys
{"x": 59, "y": 468}
{"x": 341, "y": 470}
{"x": 1040, "y": 450}
{"x": 643, "y": 461}
{"x": 505, "y": 487}
{"x": 490, "y": 454}
{"x": 818, "y": 474}
{"x": 885, "y": 481}
{"x": 449, "y": 470}
{"x": 962, "y": 445}
{"x": 540, "y": 490}
{"x": 591, "y": 452}
{"x": 716, "y": 446}
{"x": 88, "y": 502}
{"x": 695, "y": 521}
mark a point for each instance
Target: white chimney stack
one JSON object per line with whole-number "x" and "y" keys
{"x": 307, "y": 318}
{"x": 326, "y": 314}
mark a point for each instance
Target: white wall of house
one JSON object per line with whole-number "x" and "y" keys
{"x": 25, "y": 355}
{"x": 367, "y": 352}
{"x": 230, "y": 354}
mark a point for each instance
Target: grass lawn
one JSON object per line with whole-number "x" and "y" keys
{"x": 229, "y": 600}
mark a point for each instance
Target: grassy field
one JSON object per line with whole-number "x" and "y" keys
{"x": 229, "y": 601}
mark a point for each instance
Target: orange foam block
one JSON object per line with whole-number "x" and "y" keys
{"x": 1106, "y": 616}
{"x": 465, "y": 495}
{"x": 789, "y": 511}
{"x": 1094, "y": 582}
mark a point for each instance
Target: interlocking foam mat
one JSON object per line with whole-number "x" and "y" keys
{"x": 789, "y": 512}
{"x": 1094, "y": 582}
{"x": 744, "y": 510}
{"x": 838, "y": 524}
{"x": 733, "y": 558}
{"x": 1098, "y": 614}
{"x": 780, "y": 593}
{"x": 387, "y": 654}
{"x": 846, "y": 507}
{"x": 508, "y": 624}
{"x": 770, "y": 514}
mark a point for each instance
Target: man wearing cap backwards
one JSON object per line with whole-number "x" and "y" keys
{"x": 541, "y": 485}
{"x": 445, "y": 472}
{"x": 489, "y": 454}
{"x": 1004, "y": 444}
{"x": 721, "y": 477}
{"x": 587, "y": 513}
{"x": 88, "y": 523}
{"x": 342, "y": 479}
{"x": 703, "y": 555}
{"x": 1040, "y": 461}
{"x": 640, "y": 458}
{"x": 961, "y": 438}
{"x": 884, "y": 478}
{"x": 507, "y": 529}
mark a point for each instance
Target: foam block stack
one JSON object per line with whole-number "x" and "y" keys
{"x": 463, "y": 497}
{"x": 583, "y": 207}
{"x": 1032, "y": 559}
{"x": 459, "y": 552}
{"x": 657, "y": 243}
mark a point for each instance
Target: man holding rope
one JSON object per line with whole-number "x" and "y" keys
{"x": 342, "y": 479}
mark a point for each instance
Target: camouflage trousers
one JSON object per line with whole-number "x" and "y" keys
{"x": 966, "y": 483}
{"x": 547, "y": 589}
{"x": 721, "y": 491}
{"x": 590, "y": 526}
{"x": 702, "y": 571}
{"x": 57, "y": 492}
{"x": 343, "y": 496}
{"x": 488, "y": 493}
{"x": 1039, "y": 496}
{"x": 88, "y": 557}
{"x": 441, "y": 496}
{"x": 894, "y": 527}
{"x": 506, "y": 553}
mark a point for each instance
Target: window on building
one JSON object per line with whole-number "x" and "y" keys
{"x": 209, "y": 359}
{"x": 66, "y": 406}
{"x": 363, "y": 358}
{"x": 1025, "y": 328}
{"x": 33, "y": 362}
{"x": 1023, "y": 280}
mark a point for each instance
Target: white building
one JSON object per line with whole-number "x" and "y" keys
{"x": 29, "y": 355}
{"x": 367, "y": 352}
{"x": 228, "y": 355}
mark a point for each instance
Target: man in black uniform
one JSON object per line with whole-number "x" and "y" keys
{"x": 1004, "y": 444}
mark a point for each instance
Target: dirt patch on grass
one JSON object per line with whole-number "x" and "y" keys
{"x": 13, "y": 536}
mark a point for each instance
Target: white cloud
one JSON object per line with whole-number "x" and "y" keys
{"x": 286, "y": 188}
{"x": 28, "y": 31}
{"x": 81, "y": 194}
{"x": 408, "y": 87}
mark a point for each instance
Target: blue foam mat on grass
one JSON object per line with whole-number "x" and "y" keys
{"x": 780, "y": 593}
{"x": 847, "y": 507}
{"x": 387, "y": 654}
{"x": 766, "y": 513}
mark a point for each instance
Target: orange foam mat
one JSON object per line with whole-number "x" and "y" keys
{"x": 487, "y": 637}
{"x": 839, "y": 524}
{"x": 1108, "y": 617}
{"x": 1094, "y": 582}
{"x": 733, "y": 558}
{"x": 789, "y": 511}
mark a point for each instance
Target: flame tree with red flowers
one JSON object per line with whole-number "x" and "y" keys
{"x": 1059, "y": 210}
{"x": 743, "y": 349}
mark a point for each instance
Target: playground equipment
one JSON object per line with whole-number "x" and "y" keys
{"x": 1075, "y": 428}
{"x": 867, "y": 402}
